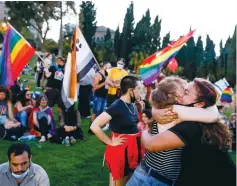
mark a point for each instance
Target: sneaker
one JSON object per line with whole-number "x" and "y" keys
{"x": 66, "y": 141}
{"x": 106, "y": 127}
{"x": 72, "y": 140}
{"x": 49, "y": 136}
{"x": 42, "y": 139}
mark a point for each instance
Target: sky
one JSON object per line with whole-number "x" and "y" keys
{"x": 214, "y": 17}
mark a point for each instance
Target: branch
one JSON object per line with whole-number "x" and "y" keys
{"x": 46, "y": 31}
{"x": 38, "y": 30}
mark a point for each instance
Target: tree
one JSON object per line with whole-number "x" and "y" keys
{"x": 51, "y": 46}
{"x": 199, "y": 57}
{"x": 231, "y": 61}
{"x": 141, "y": 40}
{"x": 210, "y": 62}
{"x": 166, "y": 40}
{"x": 126, "y": 37}
{"x": 34, "y": 14}
{"x": 190, "y": 67}
{"x": 107, "y": 35}
{"x": 117, "y": 42}
{"x": 136, "y": 60}
{"x": 88, "y": 23}
{"x": 69, "y": 5}
{"x": 226, "y": 54}
{"x": 155, "y": 35}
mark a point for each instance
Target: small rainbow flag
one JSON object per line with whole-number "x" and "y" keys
{"x": 151, "y": 66}
{"x": 226, "y": 96}
{"x": 15, "y": 55}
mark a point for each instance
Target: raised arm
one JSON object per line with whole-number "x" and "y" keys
{"x": 207, "y": 115}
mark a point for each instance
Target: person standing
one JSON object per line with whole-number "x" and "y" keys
{"x": 20, "y": 170}
{"x": 55, "y": 76}
{"x": 39, "y": 72}
{"x": 100, "y": 91}
{"x": 123, "y": 151}
{"x": 47, "y": 64}
{"x": 114, "y": 78}
{"x": 85, "y": 92}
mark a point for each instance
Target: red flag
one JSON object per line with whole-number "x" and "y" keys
{"x": 173, "y": 65}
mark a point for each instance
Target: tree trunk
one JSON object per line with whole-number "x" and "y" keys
{"x": 60, "y": 47}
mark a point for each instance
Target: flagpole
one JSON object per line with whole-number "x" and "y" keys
{"x": 90, "y": 49}
{"x": 26, "y": 42}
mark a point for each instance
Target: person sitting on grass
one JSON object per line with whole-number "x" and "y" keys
{"x": 6, "y": 115}
{"x": 41, "y": 120}
{"x": 20, "y": 170}
{"x": 70, "y": 130}
{"x": 23, "y": 107}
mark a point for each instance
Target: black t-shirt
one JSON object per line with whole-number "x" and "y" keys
{"x": 123, "y": 121}
{"x": 202, "y": 164}
{"x": 56, "y": 79}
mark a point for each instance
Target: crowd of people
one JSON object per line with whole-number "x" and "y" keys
{"x": 170, "y": 133}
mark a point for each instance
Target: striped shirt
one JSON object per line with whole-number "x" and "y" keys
{"x": 167, "y": 163}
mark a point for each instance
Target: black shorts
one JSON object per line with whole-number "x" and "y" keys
{"x": 54, "y": 97}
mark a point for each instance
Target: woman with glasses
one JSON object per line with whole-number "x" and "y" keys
{"x": 41, "y": 120}
{"x": 23, "y": 107}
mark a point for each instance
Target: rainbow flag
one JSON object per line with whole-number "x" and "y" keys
{"x": 152, "y": 65}
{"x": 226, "y": 96}
{"x": 16, "y": 53}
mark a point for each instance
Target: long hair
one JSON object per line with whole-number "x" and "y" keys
{"x": 22, "y": 97}
{"x": 165, "y": 93}
{"x": 216, "y": 134}
{"x": 37, "y": 103}
{"x": 7, "y": 91}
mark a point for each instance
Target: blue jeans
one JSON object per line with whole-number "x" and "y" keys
{"x": 99, "y": 105}
{"x": 22, "y": 117}
{"x": 141, "y": 178}
{"x": 3, "y": 120}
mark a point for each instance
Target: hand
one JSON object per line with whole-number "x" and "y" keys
{"x": 46, "y": 70}
{"x": 14, "y": 120}
{"x": 149, "y": 126}
{"x": 67, "y": 128}
{"x": 118, "y": 140}
{"x": 163, "y": 116}
{"x": 142, "y": 104}
{"x": 30, "y": 106}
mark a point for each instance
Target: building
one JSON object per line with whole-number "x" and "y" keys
{"x": 101, "y": 32}
{"x": 3, "y": 11}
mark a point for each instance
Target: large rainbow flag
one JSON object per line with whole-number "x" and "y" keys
{"x": 15, "y": 55}
{"x": 152, "y": 65}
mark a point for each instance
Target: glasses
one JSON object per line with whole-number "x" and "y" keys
{"x": 28, "y": 94}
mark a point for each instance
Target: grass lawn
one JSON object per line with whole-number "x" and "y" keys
{"x": 77, "y": 165}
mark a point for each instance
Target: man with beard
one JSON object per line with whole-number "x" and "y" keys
{"x": 20, "y": 171}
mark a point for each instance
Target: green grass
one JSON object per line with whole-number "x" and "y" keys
{"x": 77, "y": 165}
